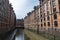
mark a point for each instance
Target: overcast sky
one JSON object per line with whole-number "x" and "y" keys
{"x": 22, "y": 7}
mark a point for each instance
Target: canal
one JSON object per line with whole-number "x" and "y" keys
{"x": 19, "y": 34}
{"x": 22, "y": 34}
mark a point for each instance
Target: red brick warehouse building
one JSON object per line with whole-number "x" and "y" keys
{"x": 20, "y": 23}
{"x": 7, "y": 17}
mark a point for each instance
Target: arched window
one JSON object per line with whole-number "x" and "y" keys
{"x": 48, "y": 23}
{"x": 48, "y": 18}
{"x": 44, "y": 24}
{"x": 55, "y": 16}
{"x": 55, "y": 23}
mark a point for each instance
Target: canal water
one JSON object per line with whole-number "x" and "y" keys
{"x": 19, "y": 34}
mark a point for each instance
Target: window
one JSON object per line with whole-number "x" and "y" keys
{"x": 41, "y": 20}
{"x": 44, "y": 24}
{"x": 55, "y": 23}
{"x": 41, "y": 25}
{"x": 41, "y": 15}
{"x": 59, "y": 8}
{"x": 40, "y": 11}
{"x": 48, "y": 18}
{"x": 44, "y": 14}
{"x": 48, "y": 23}
{"x": 0, "y": 3}
{"x": 54, "y": 9}
{"x": 55, "y": 16}
{"x": 59, "y": 4}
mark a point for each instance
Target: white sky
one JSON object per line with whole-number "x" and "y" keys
{"x": 22, "y": 7}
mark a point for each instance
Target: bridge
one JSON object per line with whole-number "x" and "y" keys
{"x": 19, "y": 27}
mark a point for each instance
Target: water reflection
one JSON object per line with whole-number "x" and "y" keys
{"x": 19, "y": 34}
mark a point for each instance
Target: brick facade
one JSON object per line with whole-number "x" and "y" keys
{"x": 45, "y": 16}
{"x": 6, "y": 20}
